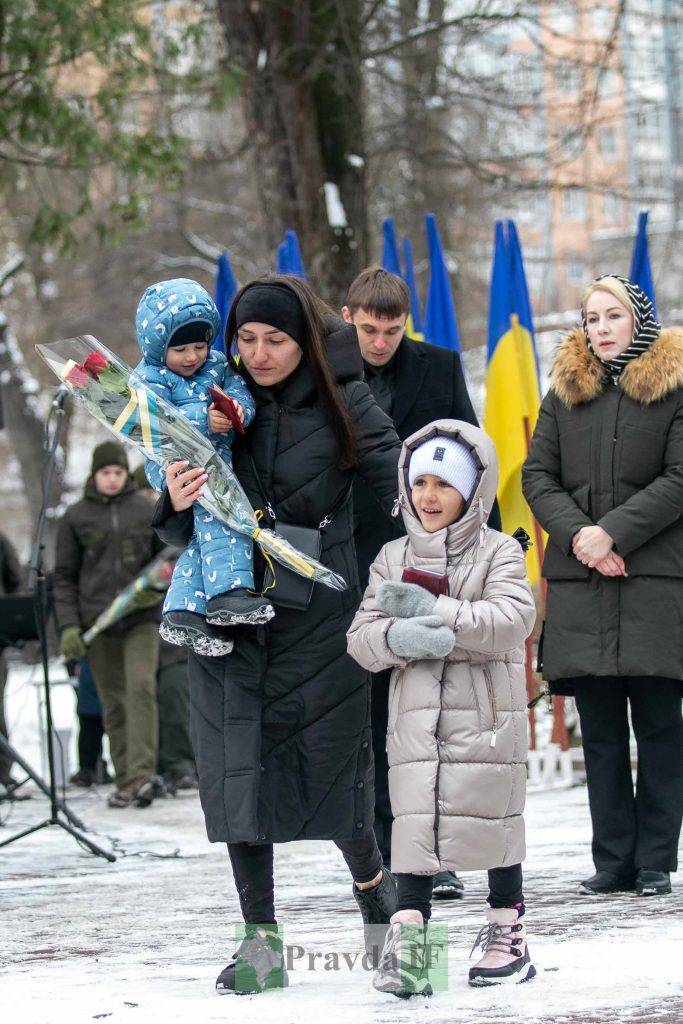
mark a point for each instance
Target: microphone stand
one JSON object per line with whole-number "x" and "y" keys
{"x": 60, "y": 815}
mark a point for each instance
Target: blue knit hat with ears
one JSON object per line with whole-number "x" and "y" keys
{"x": 446, "y": 458}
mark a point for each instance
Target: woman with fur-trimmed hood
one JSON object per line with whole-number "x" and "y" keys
{"x": 604, "y": 477}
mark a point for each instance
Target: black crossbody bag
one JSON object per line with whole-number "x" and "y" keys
{"x": 283, "y": 586}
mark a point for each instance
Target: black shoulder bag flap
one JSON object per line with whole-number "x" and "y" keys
{"x": 283, "y": 586}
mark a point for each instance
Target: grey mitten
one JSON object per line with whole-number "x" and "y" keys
{"x": 422, "y": 637}
{"x": 404, "y": 600}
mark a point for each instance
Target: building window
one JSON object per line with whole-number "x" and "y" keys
{"x": 566, "y": 77}
{"x": 602, "y": 21}
{"x": 570, "y": 143}
{"x": 575, "y": 269}
{"x": 607, "y": 143}
{"x": 574, "y": 203}
{"x": 607, "y": 83}
{"x": 612, "y": 208}
{"x": 562, "y": 17}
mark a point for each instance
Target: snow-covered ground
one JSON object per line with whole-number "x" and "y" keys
{"x": 142, "y": 940}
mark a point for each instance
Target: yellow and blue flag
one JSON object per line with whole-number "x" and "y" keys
{"x": 288, "y": 259}
{"x": 440, "y": 326}
{"x": 391, "y": 261}
{"x": 512, "y": 385}
{"x": 641, "y": 269}
{"x": 224, "y": 293}
{"x": 414, "y": 322}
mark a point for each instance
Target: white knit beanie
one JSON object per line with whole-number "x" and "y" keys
{"x": 448, "y": 459}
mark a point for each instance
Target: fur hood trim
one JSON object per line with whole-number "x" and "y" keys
{"x": 578, "y": 376}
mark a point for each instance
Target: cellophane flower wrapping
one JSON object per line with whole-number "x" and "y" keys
{"x": 123, "y": 403}
{"x": 146, "y": 590}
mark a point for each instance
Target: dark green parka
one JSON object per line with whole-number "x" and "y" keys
{"x": 102, "y": 545}
{"x": 610, "y": 453}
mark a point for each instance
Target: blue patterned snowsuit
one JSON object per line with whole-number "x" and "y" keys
{"x": 217, "y": 559}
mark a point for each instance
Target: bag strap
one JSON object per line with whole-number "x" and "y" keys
{"x": 326, "y": 519}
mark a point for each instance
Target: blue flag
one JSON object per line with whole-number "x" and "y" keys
{"x": 440, "y": 325}
{"x": 289, "y": 259}
{"x": 226, "y": 288}
{"x": 641, "y": 271}
{"x": 409, "y": 278}
{"x": 390, "y": 258}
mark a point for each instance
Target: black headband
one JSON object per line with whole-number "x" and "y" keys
{"x": 272, "y": 304}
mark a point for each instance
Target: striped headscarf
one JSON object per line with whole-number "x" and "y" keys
{"x": 646, "y": 329}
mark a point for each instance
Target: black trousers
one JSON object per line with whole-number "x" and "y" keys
{"x": 252, "y": 868}
{"x": 505, "y": 890}
{"x": 384, "y": 819}
{"x": 90, "y": 733}
{"x": 638, "y": 829}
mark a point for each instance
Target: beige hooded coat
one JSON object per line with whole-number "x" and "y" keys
{"x": 457, "y": 737}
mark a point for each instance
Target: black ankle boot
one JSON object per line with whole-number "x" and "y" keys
{"x": 238, "y": 608}
{"x": 604, "y": 882}
{"x": 376, "y": 907}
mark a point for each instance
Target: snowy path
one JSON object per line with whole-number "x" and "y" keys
{"x": 142, "y": 940}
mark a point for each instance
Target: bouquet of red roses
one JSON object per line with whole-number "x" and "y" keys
{"x": 123, "y": 403}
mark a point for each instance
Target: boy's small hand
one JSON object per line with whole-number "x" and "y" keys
{"x": 218, "y": 421}
{"x": 404, "y": 600}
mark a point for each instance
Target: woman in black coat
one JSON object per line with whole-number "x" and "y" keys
{"x": 281, "y": 727}
{"x": 604, "y": 477}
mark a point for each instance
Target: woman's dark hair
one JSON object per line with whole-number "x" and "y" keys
{"x": 313, "y": 345}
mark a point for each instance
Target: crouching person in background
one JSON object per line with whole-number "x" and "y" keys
{"x": 104, "y": 541}
{"x": 457, "y": 733}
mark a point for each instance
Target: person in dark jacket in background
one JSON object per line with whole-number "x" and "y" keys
{"x": 281, "y": 727}
{"x": 104, "y": 541}
{"x": 604, "y": 477}
{"x": 175, "y": 759}
{"x": 414, "y": 384}
{"x": 91, "y": 768}
{"x": 10, "y": 583}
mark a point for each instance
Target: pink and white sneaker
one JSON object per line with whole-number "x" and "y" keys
{"x": 506, "y": 959}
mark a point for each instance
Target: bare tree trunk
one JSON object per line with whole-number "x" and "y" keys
{"x": 424, "y": 118}
{"x": 302, "y": 101}
{"x": 25, "y": 426}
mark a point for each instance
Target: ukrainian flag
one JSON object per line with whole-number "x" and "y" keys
{"x": 512, "y": 385}
{"x": 288, "y": 258}
{"x": 414, "y": 322}
{"x": 440, "y": 325}
{"x": 225, "y": 291}
{"x": 391, "y": 261}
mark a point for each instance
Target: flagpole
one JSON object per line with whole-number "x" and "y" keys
{"x": 559, "y": 734}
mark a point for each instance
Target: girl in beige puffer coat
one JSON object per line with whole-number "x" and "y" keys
{"x": 457, "y": 738}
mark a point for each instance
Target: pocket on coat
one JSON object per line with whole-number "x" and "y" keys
{"x": 642, "y": 455}
{"x": 482, "y": 698}
{"x": 394, "y": 696}
{"x": 575, "y": 451}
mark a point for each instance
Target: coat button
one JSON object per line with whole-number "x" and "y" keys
{"x": 262, "y": 768}
{"x": 364, "y": 744}
{"x": 360, "y": 785}
{"x": 359, "y": 824}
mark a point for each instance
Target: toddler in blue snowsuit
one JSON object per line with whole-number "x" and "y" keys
{"x": 177, "y": 323}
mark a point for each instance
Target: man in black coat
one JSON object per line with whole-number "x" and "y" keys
{"x": 413, "y": 383}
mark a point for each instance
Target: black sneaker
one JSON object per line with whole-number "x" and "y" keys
{"x": 604, "y": 882}
{"x": 652, "y": 883}
{"x": 376, "y": 907}
{"x": 447, "y": 886}
{"x": 187, "y": 629}
{"x": 238, "y": 608}
{"x": 256, "y": 965}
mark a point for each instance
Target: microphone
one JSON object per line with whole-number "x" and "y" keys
{"x": 59, "y": 396}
